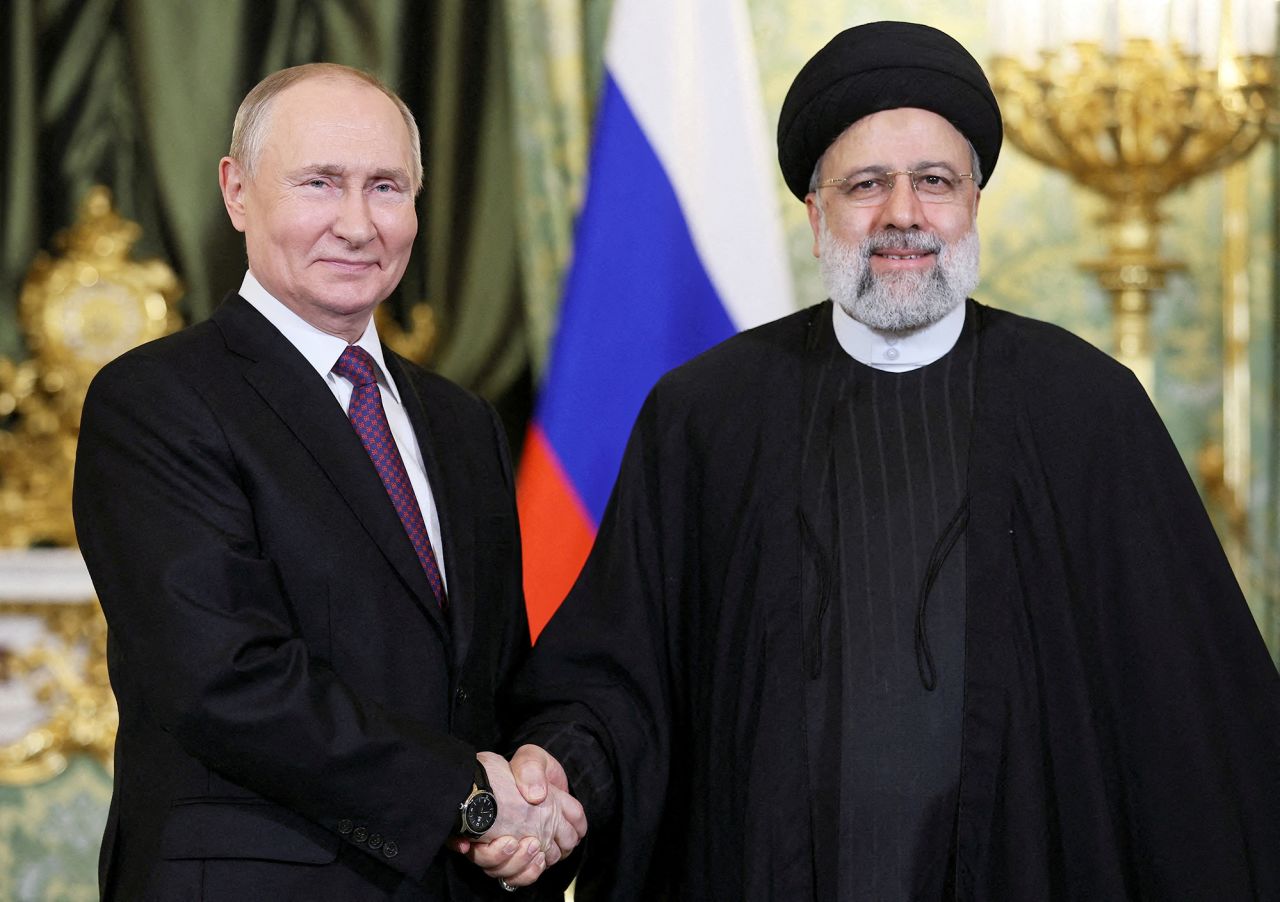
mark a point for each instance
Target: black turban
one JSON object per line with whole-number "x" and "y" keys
{"x": 883, "y": 66}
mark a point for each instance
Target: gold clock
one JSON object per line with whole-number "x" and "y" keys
{"x": 78, "y": 310}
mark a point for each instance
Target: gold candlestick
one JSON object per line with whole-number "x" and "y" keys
{"x": 1133, "y": 124}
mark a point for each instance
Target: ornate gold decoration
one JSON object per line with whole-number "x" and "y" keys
{"x": 1133, "y": 124}
{"x": 1225, "y": 465}
{"x": 77, "y": 311}
{"x": 415, "y": 342}
{"x": 68, "y": 673}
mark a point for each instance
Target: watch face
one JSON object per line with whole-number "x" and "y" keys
{"x": 482, "y": 811}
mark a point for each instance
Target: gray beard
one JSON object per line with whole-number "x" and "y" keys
{"x": 898, "y": 302}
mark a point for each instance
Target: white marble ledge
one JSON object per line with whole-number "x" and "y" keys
{"x": 51, "y": 575}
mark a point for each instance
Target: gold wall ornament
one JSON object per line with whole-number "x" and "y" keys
{"x": 77, "y": 311}
{"x": 415, "y": 342}
{"x": 53, "y": 666}
{"x": 67, "y": 673}
{"x": 1225, "y": 464}
{"x": 1134, "y": 115}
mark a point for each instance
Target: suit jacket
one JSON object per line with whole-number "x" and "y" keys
{"x": 298, "y": 717}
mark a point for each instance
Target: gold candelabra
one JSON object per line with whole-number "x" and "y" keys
{"x": 1133, "y": 123}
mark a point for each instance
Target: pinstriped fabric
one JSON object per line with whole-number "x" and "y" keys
{"x": 888, "y": 476}
{"x": 370, "y": 423}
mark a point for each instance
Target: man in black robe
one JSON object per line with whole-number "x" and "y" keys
{"x": 903, "y": 597}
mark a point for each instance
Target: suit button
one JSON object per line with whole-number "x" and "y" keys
{"x": 375, "y": 840}
{"x": 461, "y": 695}
{"x": 390, "y": 849}
{"x": 360, "y": 834}
{"x": 345, "y": 825}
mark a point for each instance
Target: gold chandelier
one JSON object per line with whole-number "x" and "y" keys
{"x": 1134, "y": 98}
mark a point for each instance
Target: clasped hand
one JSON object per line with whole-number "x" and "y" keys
{"x": 538, "y": 823}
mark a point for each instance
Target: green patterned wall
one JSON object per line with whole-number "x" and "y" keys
{"x": 49, "y": 835}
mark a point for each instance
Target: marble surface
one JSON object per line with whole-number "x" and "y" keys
{"x": 44, "y": 575}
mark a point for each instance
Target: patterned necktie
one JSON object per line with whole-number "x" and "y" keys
{"x": 370, "y": 422}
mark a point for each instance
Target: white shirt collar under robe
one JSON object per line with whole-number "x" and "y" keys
{"x": 896, "y": 352}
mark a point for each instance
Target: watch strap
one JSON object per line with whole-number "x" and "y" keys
{"x": 481, "y": 777}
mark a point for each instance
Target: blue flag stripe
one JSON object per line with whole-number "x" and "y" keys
{"x": 638, "y": 302}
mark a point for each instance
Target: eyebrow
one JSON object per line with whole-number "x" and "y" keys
{"x": 880, "y": 169}
{"x": 333, "y": 170}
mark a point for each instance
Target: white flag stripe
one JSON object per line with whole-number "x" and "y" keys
{"x": 687, "y": 70}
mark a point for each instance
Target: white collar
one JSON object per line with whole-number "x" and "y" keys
{"x": 895, "y": 352}
{"x": 321, "y": 349}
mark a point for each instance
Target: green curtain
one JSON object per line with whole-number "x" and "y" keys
{"x": 556, "y": 68}
{"x": 140, "y": 95}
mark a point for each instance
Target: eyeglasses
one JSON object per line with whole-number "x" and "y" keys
{"x": 930, "y": 185}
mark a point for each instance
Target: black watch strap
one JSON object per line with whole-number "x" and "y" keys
{"x": 481, "y": 777}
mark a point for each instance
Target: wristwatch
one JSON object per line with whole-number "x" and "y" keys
{"x": 477, "y": 814}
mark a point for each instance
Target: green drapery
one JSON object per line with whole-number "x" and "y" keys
{"x": 556, "y": 68}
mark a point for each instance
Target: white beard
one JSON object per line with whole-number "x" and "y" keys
{"x": 900, "y": 301}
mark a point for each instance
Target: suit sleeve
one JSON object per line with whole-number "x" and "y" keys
{"x": 202, "y": 628}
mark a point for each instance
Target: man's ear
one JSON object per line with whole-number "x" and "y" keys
{"x": 233, "y": 182}
{"x": 815, "y": 218}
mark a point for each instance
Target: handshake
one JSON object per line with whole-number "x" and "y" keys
{"x": 538, "y": 821}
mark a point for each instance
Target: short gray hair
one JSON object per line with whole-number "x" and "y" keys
{"x": 253, "y": 119}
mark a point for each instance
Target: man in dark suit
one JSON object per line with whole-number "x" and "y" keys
{"x": 306, "y": 549}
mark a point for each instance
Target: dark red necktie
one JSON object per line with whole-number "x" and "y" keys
{"x": 370, "y": 422}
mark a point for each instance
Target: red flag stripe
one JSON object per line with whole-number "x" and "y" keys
{"x": 556, "y": 532}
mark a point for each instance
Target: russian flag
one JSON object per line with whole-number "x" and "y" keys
{"x": 678, "y": 247}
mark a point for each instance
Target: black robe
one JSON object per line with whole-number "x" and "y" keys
{"x": 1121, "y": 715}
{"x": 884, "y": 496}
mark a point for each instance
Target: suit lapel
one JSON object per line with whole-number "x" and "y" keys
{"x": 449, "y": 471}
{"x": 299, "y": 397}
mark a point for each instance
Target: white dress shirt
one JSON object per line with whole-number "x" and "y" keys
{"x": 322, "y": 351}
{"x": 895, "y": 352}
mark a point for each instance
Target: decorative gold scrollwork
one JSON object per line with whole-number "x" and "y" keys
{"x": 1133, "y": 123}
{"x": 67, "y": 672}
{"x": 414, "y": 342}
{"x": 77, "y": 311}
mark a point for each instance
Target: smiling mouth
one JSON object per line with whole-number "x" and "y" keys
{"x": 900, "y": 255}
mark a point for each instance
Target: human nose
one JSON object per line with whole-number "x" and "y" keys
{"x": 902, "y": 209}
{"x": 353, "y": 223}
